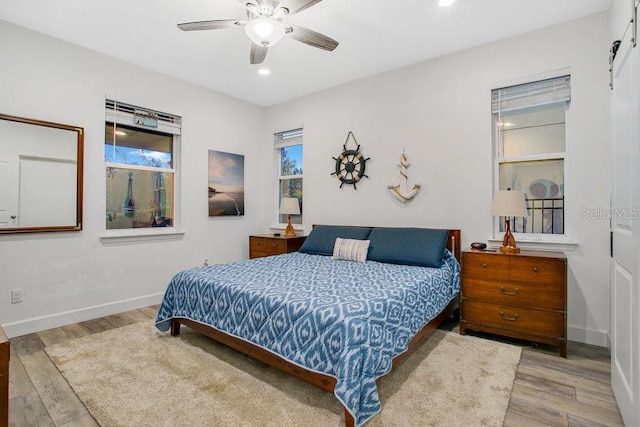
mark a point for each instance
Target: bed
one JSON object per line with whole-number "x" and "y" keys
{"x": 339, "y": 313}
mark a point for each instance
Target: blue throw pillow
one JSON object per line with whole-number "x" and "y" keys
{"x": 322, "y": 238}
{"x": 411, "y": 246}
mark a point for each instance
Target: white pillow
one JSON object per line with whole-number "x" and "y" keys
{"x": 351, "y": 249}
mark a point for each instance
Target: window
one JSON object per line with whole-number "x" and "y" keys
{"x": 288, "y": 147}
{"x": 140, "y": 161}
{"x": 530, "y": 151}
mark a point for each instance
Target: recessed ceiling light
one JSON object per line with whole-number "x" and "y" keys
{"x": 445, "y": 3}
{"x": 264, "y": 71}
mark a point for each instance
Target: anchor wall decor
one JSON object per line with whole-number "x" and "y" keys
{"x": 400, "y": 191}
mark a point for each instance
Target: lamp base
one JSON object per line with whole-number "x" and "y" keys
{"x": 509, "y": 250}
{"x": 509, "y": 242}
{"x": 289, "y": 231}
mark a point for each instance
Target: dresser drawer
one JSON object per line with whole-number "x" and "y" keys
{"x": 529, "y": 294}
{"x": 537, "y": 270}
{"x": 529, "y": 320}
{"x": 485, "y": 266}
{"x": 271, "y": 246}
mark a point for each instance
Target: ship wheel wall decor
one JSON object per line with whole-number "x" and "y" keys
{"x": 351, "y": 164}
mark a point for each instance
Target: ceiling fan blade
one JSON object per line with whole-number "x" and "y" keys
{"x": 258, "y": 53}
{"x": 217, "y": 24}
{"x": 295, "y": 6}
{"x": 311, "y": 37}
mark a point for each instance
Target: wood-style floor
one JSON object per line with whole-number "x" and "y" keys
{"x": 548, "y": 390}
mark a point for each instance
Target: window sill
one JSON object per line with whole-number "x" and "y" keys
{"x": 297, "y": 227}
{"x": 141, "y": 235}
{"x": 539, "y": 245}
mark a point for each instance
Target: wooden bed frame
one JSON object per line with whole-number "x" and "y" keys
{"x": 322, "y": 381}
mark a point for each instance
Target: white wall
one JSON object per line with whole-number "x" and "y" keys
{"x": 73, "y": 276}
{"x": 439, "y": 112}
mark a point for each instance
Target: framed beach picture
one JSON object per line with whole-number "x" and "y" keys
{"x": 226, "y": 184}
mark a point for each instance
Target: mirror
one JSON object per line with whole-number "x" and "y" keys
{"x": 40, "y": 176}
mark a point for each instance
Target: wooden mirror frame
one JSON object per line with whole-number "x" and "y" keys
{"x": 77, "y": 226}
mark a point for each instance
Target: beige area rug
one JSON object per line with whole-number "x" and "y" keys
{"x": 137, "y": 376}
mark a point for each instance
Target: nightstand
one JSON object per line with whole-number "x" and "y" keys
{"x": 521, "y": 295}
{"x": 267, "y": 244}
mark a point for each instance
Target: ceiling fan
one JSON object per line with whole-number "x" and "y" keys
{"x": 265, "y": 27}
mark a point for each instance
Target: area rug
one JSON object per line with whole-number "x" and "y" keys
{"x": 138, "y": 376}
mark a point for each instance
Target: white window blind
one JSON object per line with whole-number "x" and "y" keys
{"x": 543, "y": 92}
{"x": 125, "y": 114}
{"x": 287, "y": 138}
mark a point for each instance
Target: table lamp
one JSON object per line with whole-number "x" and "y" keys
{"x": 509, "y": 204}
{"x": 289, "y": 206}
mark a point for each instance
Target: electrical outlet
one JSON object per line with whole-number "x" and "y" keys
{"x": 16, "y": 296}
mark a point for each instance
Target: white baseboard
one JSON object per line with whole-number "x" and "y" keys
{"x": 588, "y": 336}
{"x": 37, "y": 324}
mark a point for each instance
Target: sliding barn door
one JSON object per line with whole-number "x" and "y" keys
{"x": 625, "y": 228}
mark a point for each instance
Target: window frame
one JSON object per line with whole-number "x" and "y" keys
{"x": 117, "y": 113}
{"x": 285, "y": 139}
{"x": 535, "y": 240}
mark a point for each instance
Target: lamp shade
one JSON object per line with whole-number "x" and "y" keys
{"x": 264, "y": 31}
{"x": 509, "y": 203}
{"x": 289, "y": 206}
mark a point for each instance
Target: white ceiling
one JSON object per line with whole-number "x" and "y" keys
{"x": 374, "y": 36}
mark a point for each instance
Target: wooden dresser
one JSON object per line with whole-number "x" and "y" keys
{"x": 516, "y": 295}
{"x": 268, "y": 244}
{"x": 4, "y": 379}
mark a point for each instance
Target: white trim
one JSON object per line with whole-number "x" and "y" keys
{"x": 141, "y": 235}
{"x": 538, "y": 245}
{"x": 297, "y": 227}
{"x": 283, "y": 177}
{"x": 168, "y": 124}
{"x": 278, "y": 145}
{"x": 588, "y": 336}
{"x": 138, "y": 167}
{"x": 536, "y": 241}
{"x": 532, "y": 157}
{"x": 42, "y": 323}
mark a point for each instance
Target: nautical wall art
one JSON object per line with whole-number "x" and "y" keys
{"x": 226, "y": 184}
{"x": 350, "y": 164}
{"x": 401, "y": 190}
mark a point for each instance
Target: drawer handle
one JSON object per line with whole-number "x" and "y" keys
{"x": 535, "y": 269}
{"x": 514, "y": 293}
{"x": 484, "y": 265}
{"x": 510, "y": 319}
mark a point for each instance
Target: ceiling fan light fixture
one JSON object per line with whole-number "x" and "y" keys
{"x": 264, "y": 31}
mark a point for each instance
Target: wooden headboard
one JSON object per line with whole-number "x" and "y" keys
{"x": 453, "y": 243}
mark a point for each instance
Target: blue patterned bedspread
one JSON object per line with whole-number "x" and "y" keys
{"x": 341, "y": 318}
